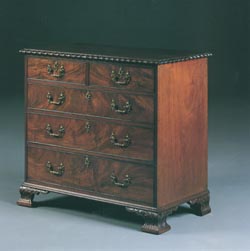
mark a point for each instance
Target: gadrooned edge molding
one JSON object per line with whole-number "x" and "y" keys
{"x": 113, "y": 58}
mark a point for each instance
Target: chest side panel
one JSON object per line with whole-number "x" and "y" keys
{"x": 181, "y": 131}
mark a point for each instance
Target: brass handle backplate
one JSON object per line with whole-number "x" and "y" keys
{"x": 60, "y": 99}
{"x": 125, "y": 108}
{"x": 121, "y": 77}
{"x": 56, "y": 70}
{"x": 51, "y": 169}
{"x": 125, "y": 183}
{"x": 60, "y": 134}
{"x": 114, "y": 141}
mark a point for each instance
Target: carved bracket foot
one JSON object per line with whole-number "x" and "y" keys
{"x": 27, "y": 196}
{"x": 200, "y": 205}
{"x": 155, "y": 222}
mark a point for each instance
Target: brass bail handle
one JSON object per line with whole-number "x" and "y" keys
{"x": 124, "y": 183}
{"x": 51, "y": 169}
{"x": 126, "y": 141}
{"x": 56, "y": 70}
{"x": 121, "y": 77}
{"x": 125, "y": 109}
{"x": 60, "y": 134}
{"x": 60, "y": 99}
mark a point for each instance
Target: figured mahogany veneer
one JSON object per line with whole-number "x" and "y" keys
{"x": 75, "y": 71}
{"x": 123, "y": 126}
{"x": 99, "y": 104}
{"x": 94, "y": 135}
{"x": 142, "y": 79}
{"x": 93, "y": 175}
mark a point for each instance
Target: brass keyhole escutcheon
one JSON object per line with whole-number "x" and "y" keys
{"x": 88, "y": 95}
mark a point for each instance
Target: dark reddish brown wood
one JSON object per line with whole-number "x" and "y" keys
{"x": 99, "y": 103}
{"x": 155, "y": 221}
{"x": 163, "y": 166}
{"x": 75, "y": 71}
{"x": 27, "y": 196}
{"x": 142, "y": 79}
{"x": 97, "y": 139}
{"x": 200, "y": 204}
{"x": 181, "y": 131}
{"x": 139, "y": 56}
{"x": 86, "y": 152}
{"x": 94, "y": 177}
{"x": 86, "y": 116}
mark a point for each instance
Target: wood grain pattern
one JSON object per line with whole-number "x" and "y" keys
{"x": 167, "y": 125}
{"x": 95, "y": 177}
{"x": 98, "y": 138}
{"x": 75, "y": 71}
{"x": 142, "y": 79}
{"x": 181, "y": 131}
{"x": 99, "y": 104}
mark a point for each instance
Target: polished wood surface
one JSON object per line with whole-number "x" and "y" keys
{"x": 99, "y": 103}
{"x": 97, "y": 139}
{"x": 181, "y": 130}
{"x": 75, "y": 71}
{"x": 94, "y": 177}
{"x": 139, "y": 140}
{"x": 142, "y": 79}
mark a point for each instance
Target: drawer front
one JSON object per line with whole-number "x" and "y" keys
{"x": 139, "y": 108}
{"x": 119, "y": 76}
{"x": 57, "y": 69}
{"x": 123, "y": 180}
{"x": 93, "y": 135}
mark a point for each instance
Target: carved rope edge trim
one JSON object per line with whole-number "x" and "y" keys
{"x": 151, "y": 214}
{"x": 111, "y": 58}
{"x": 32, "y": 190}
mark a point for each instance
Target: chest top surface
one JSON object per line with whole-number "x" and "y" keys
{"x": 115, "y": 54}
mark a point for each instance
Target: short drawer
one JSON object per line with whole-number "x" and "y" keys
{"x": 124, "y": 180}
{"x": 93, "y": 135}
{"x": 122, "y": 76}
{"x": 56, "y": 69}
{"x": 130, "y": 107}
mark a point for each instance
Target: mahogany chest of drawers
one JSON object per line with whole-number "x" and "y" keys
{"x": 123, "y": 126}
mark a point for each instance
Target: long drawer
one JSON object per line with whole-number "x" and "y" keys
{"x": 130, "y": 107}
{"x": 124, "y": 180}
{"x": 94, "y": 135}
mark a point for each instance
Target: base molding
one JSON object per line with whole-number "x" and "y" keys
{"x": 155, "y": 219}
